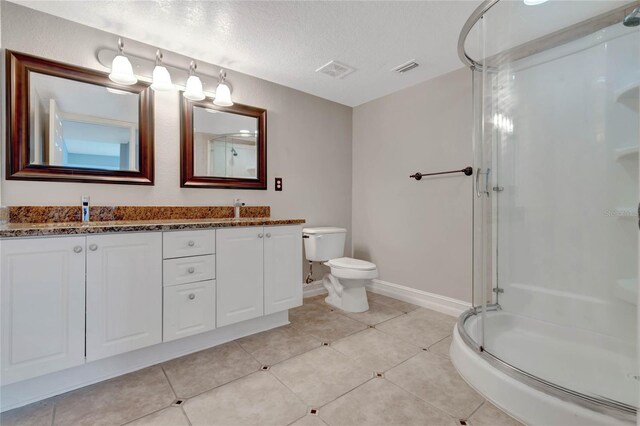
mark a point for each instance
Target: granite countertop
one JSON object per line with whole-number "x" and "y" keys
{"x": 15, "y": 230}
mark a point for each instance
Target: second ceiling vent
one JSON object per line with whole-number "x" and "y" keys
{"x": 336, "y": 69}
{"x": 408, "y": 66}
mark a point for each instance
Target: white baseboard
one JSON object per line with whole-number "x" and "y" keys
{"x": 36, "y": 389}
{"x": 314, "y": 288}
{"x": 436, "y": 302}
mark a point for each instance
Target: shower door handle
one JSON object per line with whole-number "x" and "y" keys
{"x": 486, "y": 182}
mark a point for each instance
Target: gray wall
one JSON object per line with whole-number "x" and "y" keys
{"x": 418, "y": 233}
{"x": 309, "y": 138}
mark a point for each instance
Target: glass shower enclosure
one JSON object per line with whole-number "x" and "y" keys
{"x": 556, "y": 101}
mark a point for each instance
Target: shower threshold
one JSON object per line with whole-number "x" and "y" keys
{"x": 574, "y": 375}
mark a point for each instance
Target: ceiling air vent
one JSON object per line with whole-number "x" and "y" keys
{"x": 406, "y": 67}
{"x": 336, "y": 69}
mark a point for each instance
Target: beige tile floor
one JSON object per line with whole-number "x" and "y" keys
{"x": 388, "y": 366}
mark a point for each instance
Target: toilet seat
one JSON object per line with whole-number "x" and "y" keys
{"x": 352, "y": 269}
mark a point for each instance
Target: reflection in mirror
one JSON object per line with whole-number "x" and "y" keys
{"x": 225, "y": 144}
{"x": 68, "y": 131}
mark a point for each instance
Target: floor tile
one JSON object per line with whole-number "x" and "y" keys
{"x": 273, "y": 346}
{"x": 257, "y": 399}
{"x": 379, "y": 402}
{"x": 376, "y": 314}
{"x": 324, "y": 324}
{"x": 489, "y": 415}
{"x": 204, "y": 370}
{"x": 314, "y": 299}
{"x": 309, "y": 420}
{"x": 391, "y": 303}
{"x": 433, "y": 378}
{"x": 36, "y": 414}
{"x": 171, "y": 416}
{"x": 321, "y": 375}
{"x": 442, "y": 347}
{"x": 115, "y": 401}
{"x": 376, "y": 350}
{"x": 309, "y": 311}
{"x": 421, "y": 326}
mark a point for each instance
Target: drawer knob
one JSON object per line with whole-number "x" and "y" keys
{"x": 260, "y": 235}
{"x": 77, "y": 249}
{"x": 191, "y": 269}
{"x": 192, "y": 296}
{"x": 93, "y": 247}
{"x": 191, "y": 243}
{"x": 268, "y": 235}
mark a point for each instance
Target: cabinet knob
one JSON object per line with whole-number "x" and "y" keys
{"x": 260, "y": 235}
{"x": 192, "y": 296}
{"x": 93, "y": 247}
{"x": 191, "y": 243}
{"x": 268, "y": 235}
{"x": 77, "y": 249}
{"x": 191, "y": 269}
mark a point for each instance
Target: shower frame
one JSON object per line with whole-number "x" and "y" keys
{"x": 601, "y": 405}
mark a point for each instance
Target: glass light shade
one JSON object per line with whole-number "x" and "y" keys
{"x": 534, "y": 2}
{"x": 121, "y": 71}
{"x": 194, "y": 91}
{"x": 223, "y": 96}
{"x": 161, "y": 79}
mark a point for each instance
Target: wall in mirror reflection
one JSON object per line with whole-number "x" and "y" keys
{"x": 76, "y": 124}
{"x": 224, "y": 144}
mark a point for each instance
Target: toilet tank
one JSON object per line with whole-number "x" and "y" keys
{"x": 324, "y": 243}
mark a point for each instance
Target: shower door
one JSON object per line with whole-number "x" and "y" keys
{"x": 557, "y": 190}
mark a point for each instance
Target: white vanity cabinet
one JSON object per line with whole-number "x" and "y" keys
{"x": 189, "y": 271}
{"x": 259, "y": 270}
{"x": 42, "y": 306}
{"x": 124, "y": 293}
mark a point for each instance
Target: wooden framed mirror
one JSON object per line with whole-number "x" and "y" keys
{"x": 223, "y": 147}
{"x": 71, "y": 124}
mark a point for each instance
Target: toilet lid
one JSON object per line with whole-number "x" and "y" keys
{"x": 349, "y": 263}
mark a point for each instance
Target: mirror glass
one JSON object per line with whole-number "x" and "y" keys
{"x": 224, "y": 144}
{"x": 82, "y": 125}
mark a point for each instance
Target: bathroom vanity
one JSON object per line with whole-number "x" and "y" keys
{"x": 85, "y": 302}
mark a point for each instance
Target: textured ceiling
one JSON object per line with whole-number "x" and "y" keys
{"x": 285, "y": 42}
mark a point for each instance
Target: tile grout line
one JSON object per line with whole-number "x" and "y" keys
{"x": 422, "y": 399}
{"x": 426, "y": 402}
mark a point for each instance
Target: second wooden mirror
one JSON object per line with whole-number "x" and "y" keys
{"x": 223, "y": 147}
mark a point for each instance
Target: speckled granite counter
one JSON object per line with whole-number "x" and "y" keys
{"x": 17, "y": 230}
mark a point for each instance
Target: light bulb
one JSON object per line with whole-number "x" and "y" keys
{"x": 161, "y": 77}
{"x": 193, "y": 91}
{"x": 223, "y": 93}
{"x": 223, "y": 96}
{"x": 121, "y": 69}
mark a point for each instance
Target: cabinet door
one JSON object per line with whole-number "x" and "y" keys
{"x": 189, "y": 309}
{"x": 124, "y": 293}
{"x": 42, "y": 306}
{"x": 282, "y": 268}
{"x": 239, "y": 274}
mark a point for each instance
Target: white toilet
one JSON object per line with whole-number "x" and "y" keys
{"x": 348, "y": 276}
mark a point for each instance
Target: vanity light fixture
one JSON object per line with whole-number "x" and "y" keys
{"x": 223, "y": 93}
{"x": 161, "y": 77}
{"x": 121, "y": 69}
{"x": 534, "y": 2}
{"x": 193, "y": 91}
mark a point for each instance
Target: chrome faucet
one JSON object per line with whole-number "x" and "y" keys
{"x": 236, "y": 207}
{"x": 85, "y": 208}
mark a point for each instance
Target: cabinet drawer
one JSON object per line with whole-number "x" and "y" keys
{"x": 188, "y": 269}
{"x": 188, "y": 243}
{"x": 189, "y": 309}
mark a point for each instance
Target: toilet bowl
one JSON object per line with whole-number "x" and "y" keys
{"x": 348, "y": 277}
{"x": 346, "y": 283}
